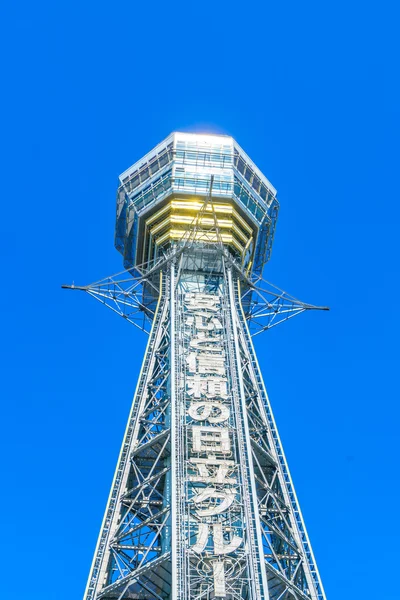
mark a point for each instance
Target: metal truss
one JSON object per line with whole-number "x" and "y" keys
{"x": 124, "y": 294}
{"x": 151, "y": 544}
{"x": 243, "y": 576}
{"x": 132, "y": 558}
{"x": 131, "y": 293}
{"x": 270, "y": 306}
{"x": 173, "y": 530}
{"x": 292, "y": 571}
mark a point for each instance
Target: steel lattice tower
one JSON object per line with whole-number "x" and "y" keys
{"x": 202, "y": 505}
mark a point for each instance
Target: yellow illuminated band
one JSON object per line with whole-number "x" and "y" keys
{"x": 172, "y": 221}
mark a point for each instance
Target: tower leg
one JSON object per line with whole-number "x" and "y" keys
{"x": 202, "y": 505}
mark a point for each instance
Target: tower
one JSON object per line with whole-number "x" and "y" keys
{"x": 202, "y": 504}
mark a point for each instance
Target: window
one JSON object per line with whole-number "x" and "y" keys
{"x": 144, "y": 175}
{"x": 135, "y": 181}
{"x": 248, "y": 174}
{"x": 154, "y": 166}
{"x": 256, "y": 183}
{"x": 163, "y": 159}
{"x": 241, "y": 166}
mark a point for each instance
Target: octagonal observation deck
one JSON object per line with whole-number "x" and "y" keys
{"x": 160, "y": 195}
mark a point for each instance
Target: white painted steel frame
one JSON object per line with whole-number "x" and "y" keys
{"x": 259, "y": 572}
{"x": 312, "y": 573}
{"x": 256, "y": 586}
{"x": 239, "y": 341}
{"x": 101, "y": 557}
{"x": 145, "y": 549}
{"x": 174, "y": 433}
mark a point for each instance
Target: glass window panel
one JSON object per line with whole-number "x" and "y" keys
{"x": 256, "y": 183}
{"x": 154, "y": 166}
{"x": 144, "y": 174}
{"x": 167, "y": 182}
{"x": 241, "y": 166}
{"x": 252, "y": 206}
{"x": 244, "y": 197}
{"x": 147, "y": 197}
{"x": 248, "y": 174}
{"x": 163, "y": 159}
{"x": 135, "y": 181}
{"x": 263, "y": 192}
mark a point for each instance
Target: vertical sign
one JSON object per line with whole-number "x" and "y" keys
{"x": 213, "y": 492}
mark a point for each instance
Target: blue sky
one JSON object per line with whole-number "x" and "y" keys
{"x": 310, "y": 90}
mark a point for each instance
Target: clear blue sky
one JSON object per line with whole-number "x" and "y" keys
{"x": 310, "y": 90}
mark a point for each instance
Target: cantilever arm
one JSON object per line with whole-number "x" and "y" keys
{"x": 271, "y": 306}
{"x": 122, "y": 293}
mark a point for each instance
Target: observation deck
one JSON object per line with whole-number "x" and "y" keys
{"x": 160, "y": 196}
